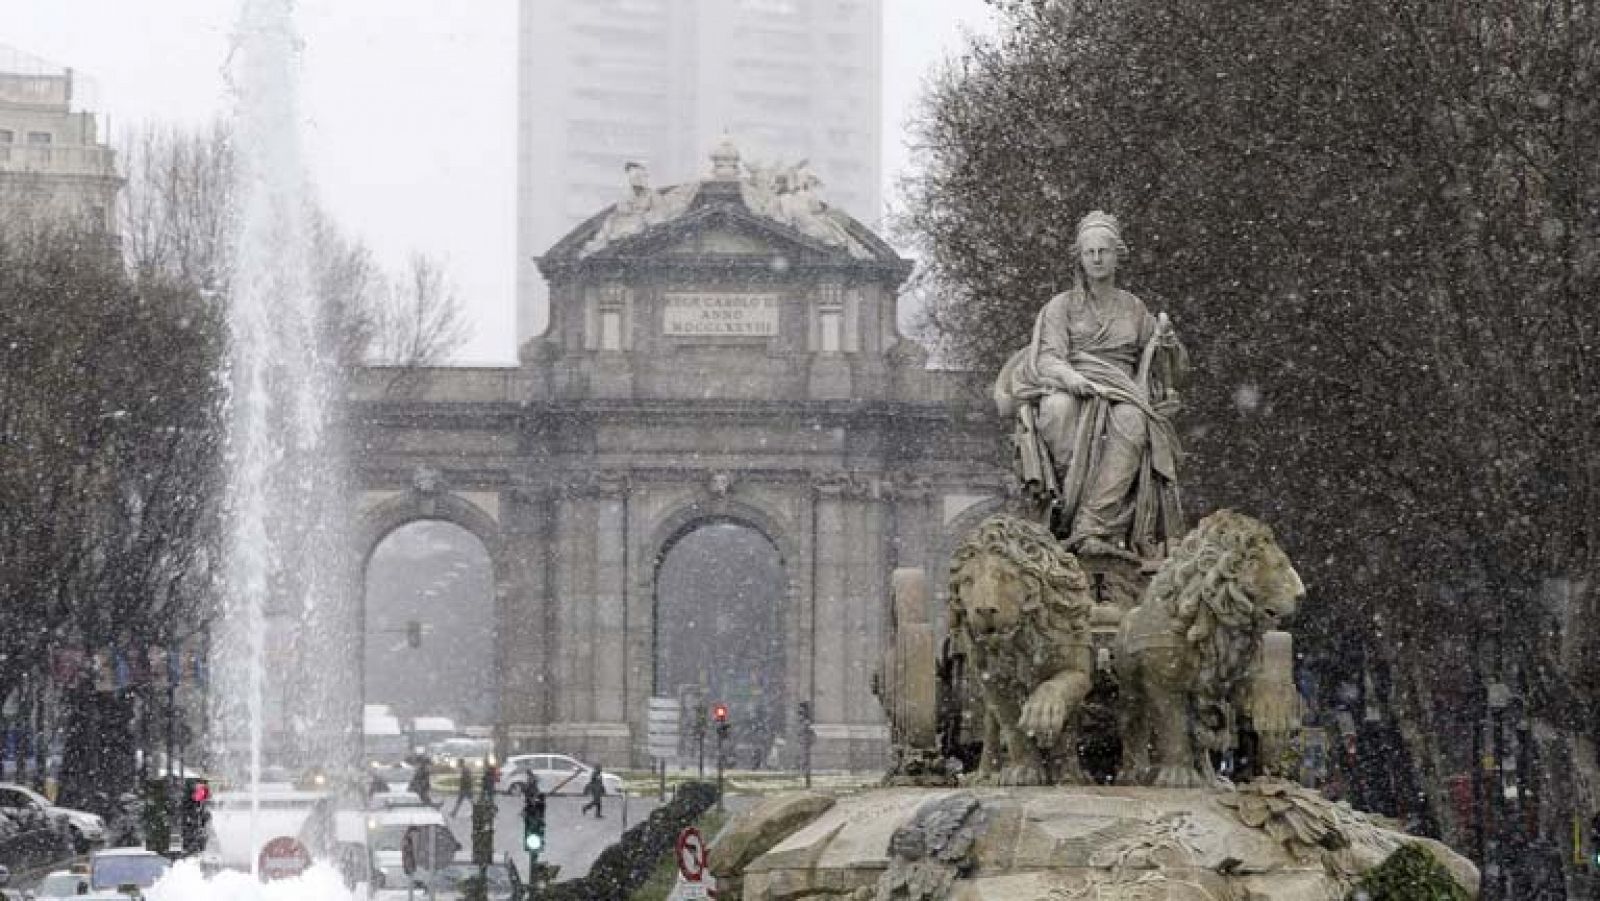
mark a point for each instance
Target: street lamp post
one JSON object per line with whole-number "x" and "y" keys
{"x": 174, "y": 777}
{"x": 1498, "y": 696}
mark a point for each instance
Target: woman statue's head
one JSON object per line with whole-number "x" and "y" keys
{"x": 1099, "y": 248}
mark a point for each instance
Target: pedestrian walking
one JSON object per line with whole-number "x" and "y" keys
{"x": 422, "y": 781}
{"x": 463, "y": 786}
{"x": 596, "y": 790}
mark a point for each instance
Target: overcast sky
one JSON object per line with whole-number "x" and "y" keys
{"x": 409, "y": 108}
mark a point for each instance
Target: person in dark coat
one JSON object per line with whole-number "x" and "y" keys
{"x": 421, "y": 782}
{"x": 596, "y": 790}
{"x": 463, "y": 786}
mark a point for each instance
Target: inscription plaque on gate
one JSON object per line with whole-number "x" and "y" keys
{"x": 719, "y": 315}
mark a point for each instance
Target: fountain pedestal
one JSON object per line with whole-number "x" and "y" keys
{"x": 1267, "y": 840}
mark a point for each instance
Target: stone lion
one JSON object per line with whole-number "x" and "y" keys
{"x": 1019, "y": 613}
{"x": 1183, "y": 654}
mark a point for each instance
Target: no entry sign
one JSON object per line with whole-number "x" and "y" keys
{"x": 692, "y": 867}
{"x": 283, "y": 858}
{"x": 691, "y": 855}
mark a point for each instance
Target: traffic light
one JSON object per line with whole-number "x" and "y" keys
{"x": 533, "y": 811}
{"x": 532, "y": 836}
{"x": 1594, "y": 841}
{"x": 414, "y": 633}
{"x": 196, "y": 814}
{"x": 719, "y": 715}
{"x": 805, "y": 713}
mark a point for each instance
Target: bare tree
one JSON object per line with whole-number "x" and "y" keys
{"x": 178, "y": 201}
{"x": 421, "y": 323}
{"x": 176, "y": 217}
{"x": 353, "y": 290}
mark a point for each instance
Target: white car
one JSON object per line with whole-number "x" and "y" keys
{"x": 86, "y": 828}
{"x": 386, "y": 834}
{"x": 452, "y": 751}
{"x": 558, "y": 774}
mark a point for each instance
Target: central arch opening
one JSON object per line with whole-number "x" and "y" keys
{"x": 719, "y": 614}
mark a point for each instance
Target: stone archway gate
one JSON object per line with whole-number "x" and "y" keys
{"x": 795, "y": 407}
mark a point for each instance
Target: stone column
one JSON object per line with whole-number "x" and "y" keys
{"x": 589, "y": 596}
{"x": 867, "y": 572}
{"x": 850, "y": 574}
{"x": 526, "y": 618}
{"x": 607, "y": 652}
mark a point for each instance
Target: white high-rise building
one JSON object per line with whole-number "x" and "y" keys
{"x": 606, "y": 82}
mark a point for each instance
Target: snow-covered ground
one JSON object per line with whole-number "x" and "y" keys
{"x": 185, "y": 882}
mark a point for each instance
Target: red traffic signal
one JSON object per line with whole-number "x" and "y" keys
{"x": 201, "y": 793}
{"x": 719, "y": 712}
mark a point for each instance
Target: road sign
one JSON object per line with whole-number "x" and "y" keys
{"x": 283, "y": 858}
{"x": 691, "y": 855}
{"x": 664, "y": 716}
{"x": 690, "y": 891}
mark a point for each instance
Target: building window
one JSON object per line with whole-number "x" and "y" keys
{"x": 39, "y": 148}
{"x": 830, "y": 324}
{"x": 610, "y": 329}
{"x": 831, "y": 335}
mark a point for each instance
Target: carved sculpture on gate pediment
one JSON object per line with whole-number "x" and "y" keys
{"x": 1184, "y": 654}
{"x": 1019, "y": 616}
{"x": 427, "y": 480}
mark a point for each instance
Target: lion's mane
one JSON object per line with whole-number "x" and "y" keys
{"x": 1198, "y": 589}
{"x": 1056, "y": 583}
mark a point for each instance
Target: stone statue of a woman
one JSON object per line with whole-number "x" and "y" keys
{"x": 1092, "y": 396}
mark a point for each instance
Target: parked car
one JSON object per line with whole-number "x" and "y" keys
{"x": 62, "y": 884}
{"x": 119, "y": 873}
{"x": 558, "y": 774}
{"x": 450, "y": 883}
{"x": 394, "y": 774}
{"x": 86, "y": 829}
{"x": 475, "y": 751}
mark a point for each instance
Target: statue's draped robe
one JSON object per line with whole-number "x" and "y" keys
{"x": 1109, "y": 462}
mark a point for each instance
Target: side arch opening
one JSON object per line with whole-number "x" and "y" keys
{"x": 720, "y": 614}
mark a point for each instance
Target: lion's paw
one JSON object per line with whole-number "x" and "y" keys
{"x": 1021, "y": 774}
{"x": 1178, "y": 777}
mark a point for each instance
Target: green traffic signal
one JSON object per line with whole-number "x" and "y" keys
{"x": 534, "y": 842}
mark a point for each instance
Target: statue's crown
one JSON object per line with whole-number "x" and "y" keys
{"x": 1100, "y": 219}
